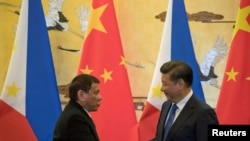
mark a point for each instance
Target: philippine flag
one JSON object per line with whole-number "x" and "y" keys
{"x": 30, "y": 104}
{"x": 176, "y": 44}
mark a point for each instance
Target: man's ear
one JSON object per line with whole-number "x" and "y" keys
{"x": 81, "y": 95}
{"x": 181, "y": 83}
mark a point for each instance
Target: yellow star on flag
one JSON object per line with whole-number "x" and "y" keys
{"x": 123, "y": 62}
{"x": 231, "y": 75}
{"x": 157, "y": 91}
{"x": 12, "y": 90}
{"x": 95, "y": 20}
{"x": 244, "y": 18}
{"x": 14, "y": 48}
{"x": 86, "y": 70}
{"x": 248, "y": 78}
{"x": 106, "y": 75}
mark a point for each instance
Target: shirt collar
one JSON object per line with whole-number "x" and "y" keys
{"x": 183, "y": 102}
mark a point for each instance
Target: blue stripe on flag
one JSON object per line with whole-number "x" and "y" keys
{"x": 181, "y": 44}
{"x": 42, "y": 97}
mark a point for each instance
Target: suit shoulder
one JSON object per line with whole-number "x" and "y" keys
{"x": 195, "y": 102}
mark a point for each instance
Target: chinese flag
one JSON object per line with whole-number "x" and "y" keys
{"x": 234, "y": 99}
{"x": 102, "y": 56}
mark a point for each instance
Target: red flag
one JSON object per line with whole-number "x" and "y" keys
{"x": 102, "y": 56}
{"x": 234, "y": 99}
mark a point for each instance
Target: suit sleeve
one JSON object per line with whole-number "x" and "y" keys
{"x": 207, "y": 118}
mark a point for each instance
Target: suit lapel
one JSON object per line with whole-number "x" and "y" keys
{"x": 165, "y": 113}
{"x": 92, "y": 124}
{"x": 186, "y": 112}
{"x": 87, "y": 117}
{"x": 165, "y": 109}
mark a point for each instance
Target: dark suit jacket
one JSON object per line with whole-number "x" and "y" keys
{"x": 74, "y": 124}
{"x": 191, "y": 124}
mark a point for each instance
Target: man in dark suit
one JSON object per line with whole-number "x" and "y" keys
{"x": 75, "y": 123}
{"x": 192, "y": 117}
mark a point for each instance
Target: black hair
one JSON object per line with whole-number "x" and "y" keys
{"x": 178, "y": 70}
{"x": 81, "y": 82}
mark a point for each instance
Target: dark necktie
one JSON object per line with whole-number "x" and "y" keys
{"x": 169, "y": 121}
